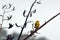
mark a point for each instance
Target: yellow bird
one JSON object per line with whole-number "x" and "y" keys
{"x": 37, "y": 24}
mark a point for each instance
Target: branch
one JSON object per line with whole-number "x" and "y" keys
{"x": 4, "y": 11}
{"x": 26, "y": 20}
{"x": 41, "y": 26}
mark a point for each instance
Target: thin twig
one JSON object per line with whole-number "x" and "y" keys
{"x": 4, "y": 13}
{"x": 41, "y": 26}
{"x": 26, "y": 20}
{"x": 2, "y": 18}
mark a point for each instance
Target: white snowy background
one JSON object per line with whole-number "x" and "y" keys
{"x": 45, "y": 10}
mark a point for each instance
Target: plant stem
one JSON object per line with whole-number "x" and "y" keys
{"x": 2, "y": 19}
{"x": 26, "y": 20}
{"x": 41, "y": 26}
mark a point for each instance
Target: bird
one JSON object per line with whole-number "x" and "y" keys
{"x": 37, "y": 24}
{"x": 10, "y": 25}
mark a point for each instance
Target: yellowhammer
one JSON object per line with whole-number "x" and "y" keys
{"x": 37, "y": 24}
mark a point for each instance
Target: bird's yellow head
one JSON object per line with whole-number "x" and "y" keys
{"x": 37, "y": 24}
